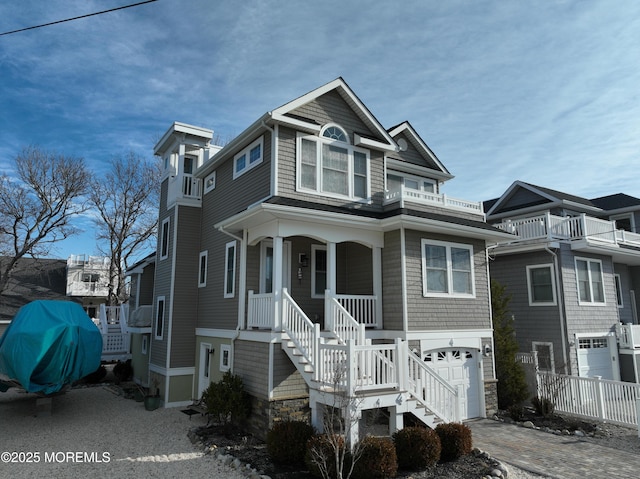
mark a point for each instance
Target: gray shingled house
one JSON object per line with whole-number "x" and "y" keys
{"x": 317, "y": 254}
{"x": 574, "y": 276}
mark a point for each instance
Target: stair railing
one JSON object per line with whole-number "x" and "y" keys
{"x": 304, "y": 333}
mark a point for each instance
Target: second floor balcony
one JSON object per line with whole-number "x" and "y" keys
{"x": 405, "y": 195}
{"x": 583, "y": 227}
{"x": 184, "y": 188}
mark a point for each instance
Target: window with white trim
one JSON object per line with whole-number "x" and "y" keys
{"x": 164, "y": 240}
{"x": 202, "y": 269}
{"x": 225, "y": 357}
{"x": 210, "y": 182}
{"x": 329, "y": 165}
{"x": 413, "y": 183}
{"x": 318, "y": 270}
{"x": 590, "y": 281}
{"x": 447, "y": 269}
{"x": 541, "y": 285}
{"x": 546, "y": 361}
{"x": 248, "y": 158}
{"x": 618, "y": 282}
{"x": 230, "y": 270}
{"x": 160, "y": 303}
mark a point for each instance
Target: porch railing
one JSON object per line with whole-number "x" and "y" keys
{"x": 431, "y": 390}
{"x": 361, "y": 307}
{"x": 570, "y": 228}
{"x": 628, "y": 336}
{"x": 611, "y": 401}
{"x": 341, "y": 323}
{"x": 260, "y": 311}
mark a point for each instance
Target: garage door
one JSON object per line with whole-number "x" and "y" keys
{"x": 594, "y": 358}
{"x": 459, "y": 366}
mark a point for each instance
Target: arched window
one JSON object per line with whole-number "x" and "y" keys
{"x": 328, "y": 164}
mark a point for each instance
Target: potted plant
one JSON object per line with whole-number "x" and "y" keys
{"x": 152, "y": 399}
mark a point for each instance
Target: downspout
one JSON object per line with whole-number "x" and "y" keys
{"x": 274, "y": 157}
{"x": 563, "y": 322}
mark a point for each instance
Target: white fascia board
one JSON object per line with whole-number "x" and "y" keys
{"x": 146, "y": 330}
{"x": 178, "y": 127}
{"x": 406, "y": 167}
{"x": 517, "y": 248}
{"x": 299, "y": 124}
{"x": 368, "y": 142}
{"x": 443, "y": 227}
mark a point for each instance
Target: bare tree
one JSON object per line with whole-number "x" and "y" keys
{"x": 37, "y": 205}
{"x": 126, "y": 198}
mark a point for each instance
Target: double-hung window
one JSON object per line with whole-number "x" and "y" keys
{"x": 590, "y": 281}
{"x": 447, "y": 269}
{"x": 541, "y": 285}
{"x": 230, "y": 270}
{"x": 329, "y": 165}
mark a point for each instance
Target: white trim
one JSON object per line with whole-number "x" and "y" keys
{"x": 171, "y": 372}
{"x": 593, "y": 302}
{"x": 617, "y": 279}
{"x": 230, "y": 294}
{"x": 314, "y": 248}
{"x": 209, "y": 183}
{"x": 157, "y": 319}
{"x": 246, "y": 153}
{"x": 225, "y": 348}
{"x": 450, "y": 293}
{"x": 203, "y": 270}
{"x": 165, "y": 238}
{"x": 144, "y": 345}
{"x": 403, "y": 273}
{"x": 549, "y": 266}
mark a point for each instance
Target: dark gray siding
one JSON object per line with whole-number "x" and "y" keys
{"x": 412, "y": 155}
{"x": 429, "y": 313}
{"x": 392, "y": 303}
{"x": 354, "y": 265}
{"x": 288, "y": 383}
{"x": 146, "y": 286}
{"x": 625, "y": 312}
{"x": 251, "y": 362}
{"x": 532, "y": 323}
{"x": 229, "y": 197}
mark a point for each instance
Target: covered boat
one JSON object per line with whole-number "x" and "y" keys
{"x": 48, "y": 345}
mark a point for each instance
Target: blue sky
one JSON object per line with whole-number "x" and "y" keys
{"x": 544, "y": 92}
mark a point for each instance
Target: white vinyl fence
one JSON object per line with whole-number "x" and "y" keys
{"x": 610, "y": 401}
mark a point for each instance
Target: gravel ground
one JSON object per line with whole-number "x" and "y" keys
{"x": 93, "y": 432}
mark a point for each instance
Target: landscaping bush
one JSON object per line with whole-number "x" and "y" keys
{"x": 377, "y": 459}
{"x": 516, "y": 412}
{"x": 226, "y": 401}
{"x": 123, "y": 371}
{"x": 325, "y": 454}
{"x": 417, "y": 448}
{"x": 455, "y": 440}
{"x": 543, "y": 406}
{"x": 287, "y": 442}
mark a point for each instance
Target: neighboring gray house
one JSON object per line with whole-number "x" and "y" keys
{"x": 317, "y": 252}
{"x": 574, "y": 276}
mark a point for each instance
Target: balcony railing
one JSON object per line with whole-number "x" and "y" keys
{"x": 553, "y": 227}
{"x": 184, "y": 187}
{"x": 432, "y": 199}
{"x": 82, "y": 288}
{"x": 628, "y": 336}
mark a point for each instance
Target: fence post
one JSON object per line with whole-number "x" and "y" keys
{"x": 638, "y": 415}
{"x": 600, "y": 398}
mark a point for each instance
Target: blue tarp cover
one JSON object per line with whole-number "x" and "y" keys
{"x": 48, "y": 345}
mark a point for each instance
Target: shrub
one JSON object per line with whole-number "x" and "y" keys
{"x": 543, "y": 406}
{"x": 377, "y": 459}
{"x": 417, "y": 448}
{"x": 227, "y": 400}
{"x": 325, "y": 454}
{"x": 516, "y": 412}
{"x": 287, "y": 442}
{"x": 123, "y": 371}
{"x": 455, "y": 439}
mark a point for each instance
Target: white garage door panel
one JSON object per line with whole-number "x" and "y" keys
{"x": 459, "y": 367}
{"x": 594, "y": 358}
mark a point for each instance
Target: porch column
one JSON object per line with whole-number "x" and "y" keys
{"x": 331, "y": 267}
{"x": 277, "y": 282}
{"x": 377, "y": 284}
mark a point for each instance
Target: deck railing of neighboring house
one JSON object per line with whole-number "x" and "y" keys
{"x": 435, "y": 199}
{"x": 553, "y": 227}
{"x": 628, "y": 336}
{"x": 610, "y": 401}
{"x": 87, "y": 288}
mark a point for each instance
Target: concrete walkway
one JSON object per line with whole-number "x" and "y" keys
{"x": 561, "y": 457}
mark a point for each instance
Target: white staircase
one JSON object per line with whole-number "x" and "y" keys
{"x": 381, "y": 375}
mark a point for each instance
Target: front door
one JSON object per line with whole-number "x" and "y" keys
{"x": 266, "y": 266}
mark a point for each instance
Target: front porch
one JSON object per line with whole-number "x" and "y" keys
{"x": 115, "y": 335}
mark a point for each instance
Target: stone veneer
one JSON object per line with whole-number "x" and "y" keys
{"x": 265, "y": 413}
{"x": 490, "y": 396}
